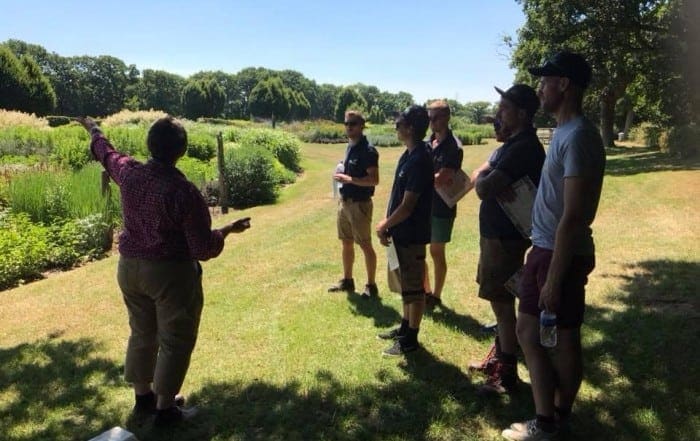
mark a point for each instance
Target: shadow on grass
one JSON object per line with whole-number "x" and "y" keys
{"x": 422, "y": 405}
{"x": 464, "y": 323}
{"x": 384, "y": 316}
{"x": 387, "y": 316}
{"x": 645, "y": 359}
{"x": 54, "y": 390}
{"x": 634, "y": 160}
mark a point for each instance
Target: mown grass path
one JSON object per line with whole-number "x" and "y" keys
{"x": 278, "y": 358}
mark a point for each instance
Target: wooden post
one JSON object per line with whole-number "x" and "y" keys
{"x": 108, "y": 237}
{"x": 106, "y": 191}
{"x": 223, "y": 190}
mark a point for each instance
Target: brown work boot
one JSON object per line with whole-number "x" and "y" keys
{"x": 486, "y": 364}
{"x": 503, "y": 378}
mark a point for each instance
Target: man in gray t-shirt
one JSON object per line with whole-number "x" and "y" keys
{"x": 556, "y": 270}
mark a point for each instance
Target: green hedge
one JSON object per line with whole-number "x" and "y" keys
{"x": 284, "y": 146}
{"x": 250, "y": 176}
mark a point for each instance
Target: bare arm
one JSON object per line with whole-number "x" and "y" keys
{"x": 371, "y": 180}
{"x": 491, "y": 185}
{"x": 572, "y": 225}
{"x": 483, "y": 168}
{"x": 402, "y": 212}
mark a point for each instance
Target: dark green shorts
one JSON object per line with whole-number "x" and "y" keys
{"x": 441, "y": 229}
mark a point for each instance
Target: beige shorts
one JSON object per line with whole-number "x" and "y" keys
{"x": 355, "y": 221}
{"x": 498, "y": 261}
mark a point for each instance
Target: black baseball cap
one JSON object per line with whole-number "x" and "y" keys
{"x": 565, "y": 64}
{"x": 523, "y": 96}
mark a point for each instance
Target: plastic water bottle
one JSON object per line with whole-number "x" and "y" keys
{"x": 548, "y": 329}
{"x": 339, "y": 168}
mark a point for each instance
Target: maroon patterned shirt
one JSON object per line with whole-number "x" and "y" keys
{"x": 165, "y": 216}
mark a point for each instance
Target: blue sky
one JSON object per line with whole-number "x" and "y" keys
{"x": 440, "y": 48}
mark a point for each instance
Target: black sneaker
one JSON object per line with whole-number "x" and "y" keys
{"x": 174, "y": 415}
{"x": 370, "y": 291}
{"x": 393, "y": 334}
{"x": 400, "y": 347}
{"x": 347, "y": 285}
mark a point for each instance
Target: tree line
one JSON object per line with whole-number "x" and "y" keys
{"x": 644, "y": 55}
{"x": 35, "y": 80}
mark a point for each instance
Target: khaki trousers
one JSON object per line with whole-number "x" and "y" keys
{"x": 164, "y": 300}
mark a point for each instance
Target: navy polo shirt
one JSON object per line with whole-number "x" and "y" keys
{"x": 358, "y": 158}
{"x": 414, "y": 173}
{"x": 447, "y": 154}
{"x": 520, "y": 155}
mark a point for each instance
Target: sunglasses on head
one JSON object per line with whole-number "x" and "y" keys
{"x": 351, "y": 123}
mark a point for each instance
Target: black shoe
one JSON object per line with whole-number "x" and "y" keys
{"x": 146, "y": 404}
{"x": 347, "y": 285}
{"x": 431, "y": 301}
{"x": 393, "y": 334}
{"x": 370, "y": 291}
{"x": 400, "y": 347}
{"x": 173, "y": 415}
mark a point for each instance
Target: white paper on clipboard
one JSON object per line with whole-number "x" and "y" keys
{"x": 519, "y": 210}
{"x": 451, "y": 194}
{"x": 392, "y": 257}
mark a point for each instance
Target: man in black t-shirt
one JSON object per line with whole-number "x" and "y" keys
{"x": 502, "y": 246}
{"x": 354, "y": 221}
{"x": 446, "y": 152}
{"x": 407, "y": 225}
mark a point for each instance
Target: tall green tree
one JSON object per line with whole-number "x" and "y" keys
{"x": 160, "y": 90}
{"x": 232, "y": 107}
{"x": 348, "y": 97}
{"x": 297, "y": 82}
{"x": 270, "y": 99}
{"x": 300, "y": 106}
{"x": 23, "y": 86}
{"x": 41, "y": 96}
{"x": 202, "y": 98}
{"x": 246, "y": 80}
{"x": 325, "y": 104}
{"x": 12, "y": 81}
{"x": 619, "y": 39}
{"x": 102, "y": 84}
{"x": 476, "y": 110}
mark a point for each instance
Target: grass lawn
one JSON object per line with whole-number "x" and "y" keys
{"x": 278, "y": 358}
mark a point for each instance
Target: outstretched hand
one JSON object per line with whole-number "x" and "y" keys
{"x": 240, "y": 225}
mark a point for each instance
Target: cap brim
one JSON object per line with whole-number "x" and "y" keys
{"x": 545, "y": 71}
{"x": 500, "y": 92}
